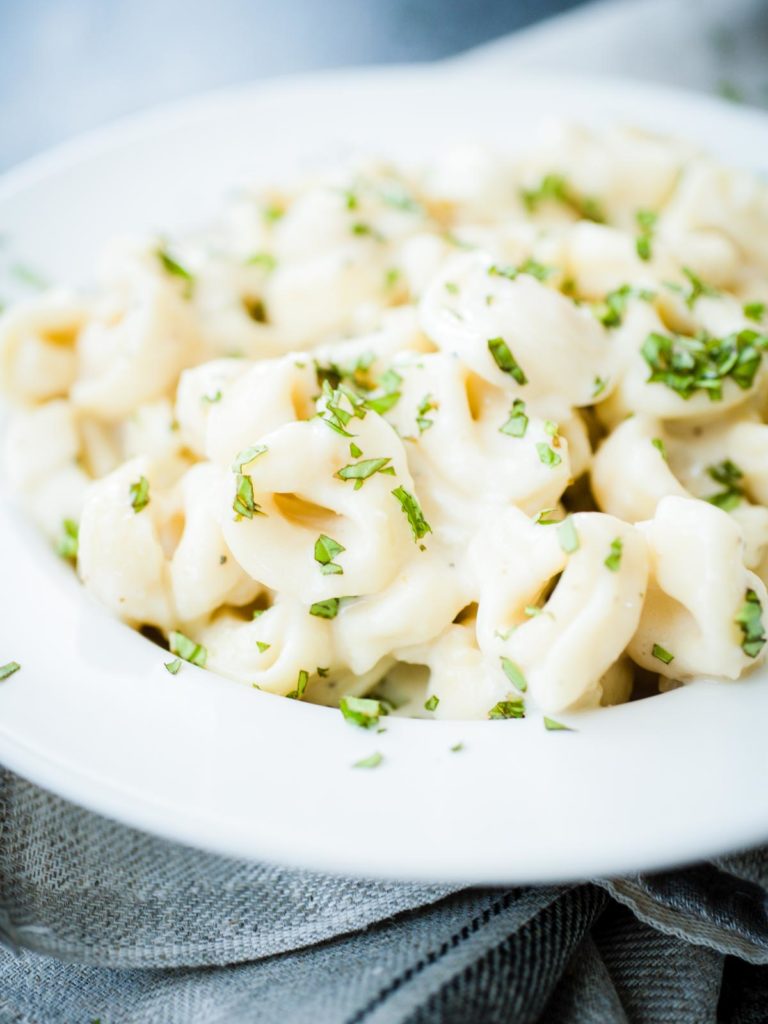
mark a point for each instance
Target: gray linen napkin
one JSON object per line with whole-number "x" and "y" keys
{"x": 104, "y": 923}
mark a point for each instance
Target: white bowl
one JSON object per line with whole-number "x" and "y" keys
{"x": 94, "y": 716}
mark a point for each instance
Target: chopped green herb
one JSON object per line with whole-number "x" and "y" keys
{"x": 543, "y": 517}
{"x": 272, "y": 213}
{"x": 555, "y": 188}
{"x": 326, "y": 549}
{"x": 687, "y": 365}
{"x": 187, "y": 649}
{"x": 696, "y": 288}
{"x": 599, "y": 386}
{"x": 8, "y": 669}
{"x": 244, "y": 505}
{"x": 507, "y": 709}
{"x": 532, "y": 610}
{"x": 172, "y": 266}
{"x": 391, "y": 277}
{"x": 262, "y": 646}
{"x": 457, "y": 747}
{"x": 363, "y": 711}
{"x": 661, "y": 448}
{"x": 413, "y": 513}
{"x": 730, "y": 476}
{"x": 354, "y": 451}
{"x": 366, "y": 231}
{"x": 517, "y": 424}
{"x": 610, "y": 312}
{"x": 68, "y": 541}
{"x": 505, "y": 361}
{"x": 322, "y": 672}
{"x": 547, "y": 455}
{"x": 567, "y": 536}
{"x": 613, "y": 561}
{"x": 361, "y": 471}
{"x": 664, "y": 656}
{"x": 552, "y": 726}
{"x": 373, "y": 761}
{"x": 427, "y": 404}
{"x": 754, "y": 311}
{"x": 327, "y": 609}
{"x": 247, "y": 456}
{"x": 514, "y": 674}
{"x": 431, "y": 702}
{"x": 451, "y": 287}
{"x": 139, "y": 494}
{"x": 301, "y": 685}
{"x": 173, "y": 666}
{"x": 265, "y": 260}
{"x": 750, "y": 621}
{"x": 646, "y": 222}
{"x": 212, "y": 399}
{"x": 530, "y": 267}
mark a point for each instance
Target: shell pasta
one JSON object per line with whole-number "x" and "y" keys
{"x": 484, "y": 439}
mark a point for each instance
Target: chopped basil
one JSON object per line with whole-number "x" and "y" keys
{"x": 457, "y": 747}
{"x": 696, "y": 288}
{"x": 664, "y": 656}
{"x": 265, "y": 260}
{"x": 243, "y": 504}
{"x": 68, "y": 541}
{"x": 730, "y": 476}
{"x": 361, "y": 471}
{"x": 514, "y": 674}
{"x": 327, "y": 609}
{"x": 427, "y": 404}
{"x": 301, "y": 685}
{"x": 247, "y": 456}
{"x": 363, "y": 711}
{"x": 610, "y": 312}
{"x": 451, "y": 287}
{"x": 212, "y": 399}
{"x": 173, "y": 666}
{"x": 431, "y": 702}
{"x": 567, "y": 536}
{"x": 552, "y": 726}
{"x": 391, "y": 277}
{"x": 547, "y": 455}
{"x": 272, "y": 213}
{"x": 354, "y": 451}
{"x": 373, "y": 761}
{"x": 413, "y": 513}
{"x": 613, "y": 561}
{"x": 660, "y": 447}
{"x": 529, "y": 266}
{"x": 599, "y": 386}
{"x": 505, "y": 361}
{"x": 750, "y": 621}
{"x": 687, "y": 365}
{"x": 555, "y": 188}
{"x": 262, "y": 646}
{"x": 326, "y": 549}
{"x": 187, "y": 649}
{"x": 754, "y": 310}
{"x": 8, "y": 669}
{"x": 172, "y": 266}
{"x": 507, "y": 709}
{"x": 139, "y": 494}
{"x": 646, "y": 222}
{"x": 367, "y": 231}
{"x": 382, "y": 403}
{"x": 517, "y": 424}
{"x": 543, "y": 517}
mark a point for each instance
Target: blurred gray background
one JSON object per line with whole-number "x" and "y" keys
{"x": 69, "y": 65}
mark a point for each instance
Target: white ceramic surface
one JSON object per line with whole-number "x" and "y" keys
{"x": 94, "y": 716}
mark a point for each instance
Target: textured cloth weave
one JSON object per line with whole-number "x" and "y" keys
{"x": 104, "y": 923}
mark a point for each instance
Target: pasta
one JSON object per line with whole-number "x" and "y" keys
{"x": 485, "y": 439}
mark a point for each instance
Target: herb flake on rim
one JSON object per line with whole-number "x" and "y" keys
{"x": 372, "y": 761}
{"x": 507, "y": 709}
{"x": 172, "y": 666}
{"x": 551, "y": 725}
{"x": 7, "y": 670}
{"x": 363, "y": 711}
{"x": 187, "y": 649}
